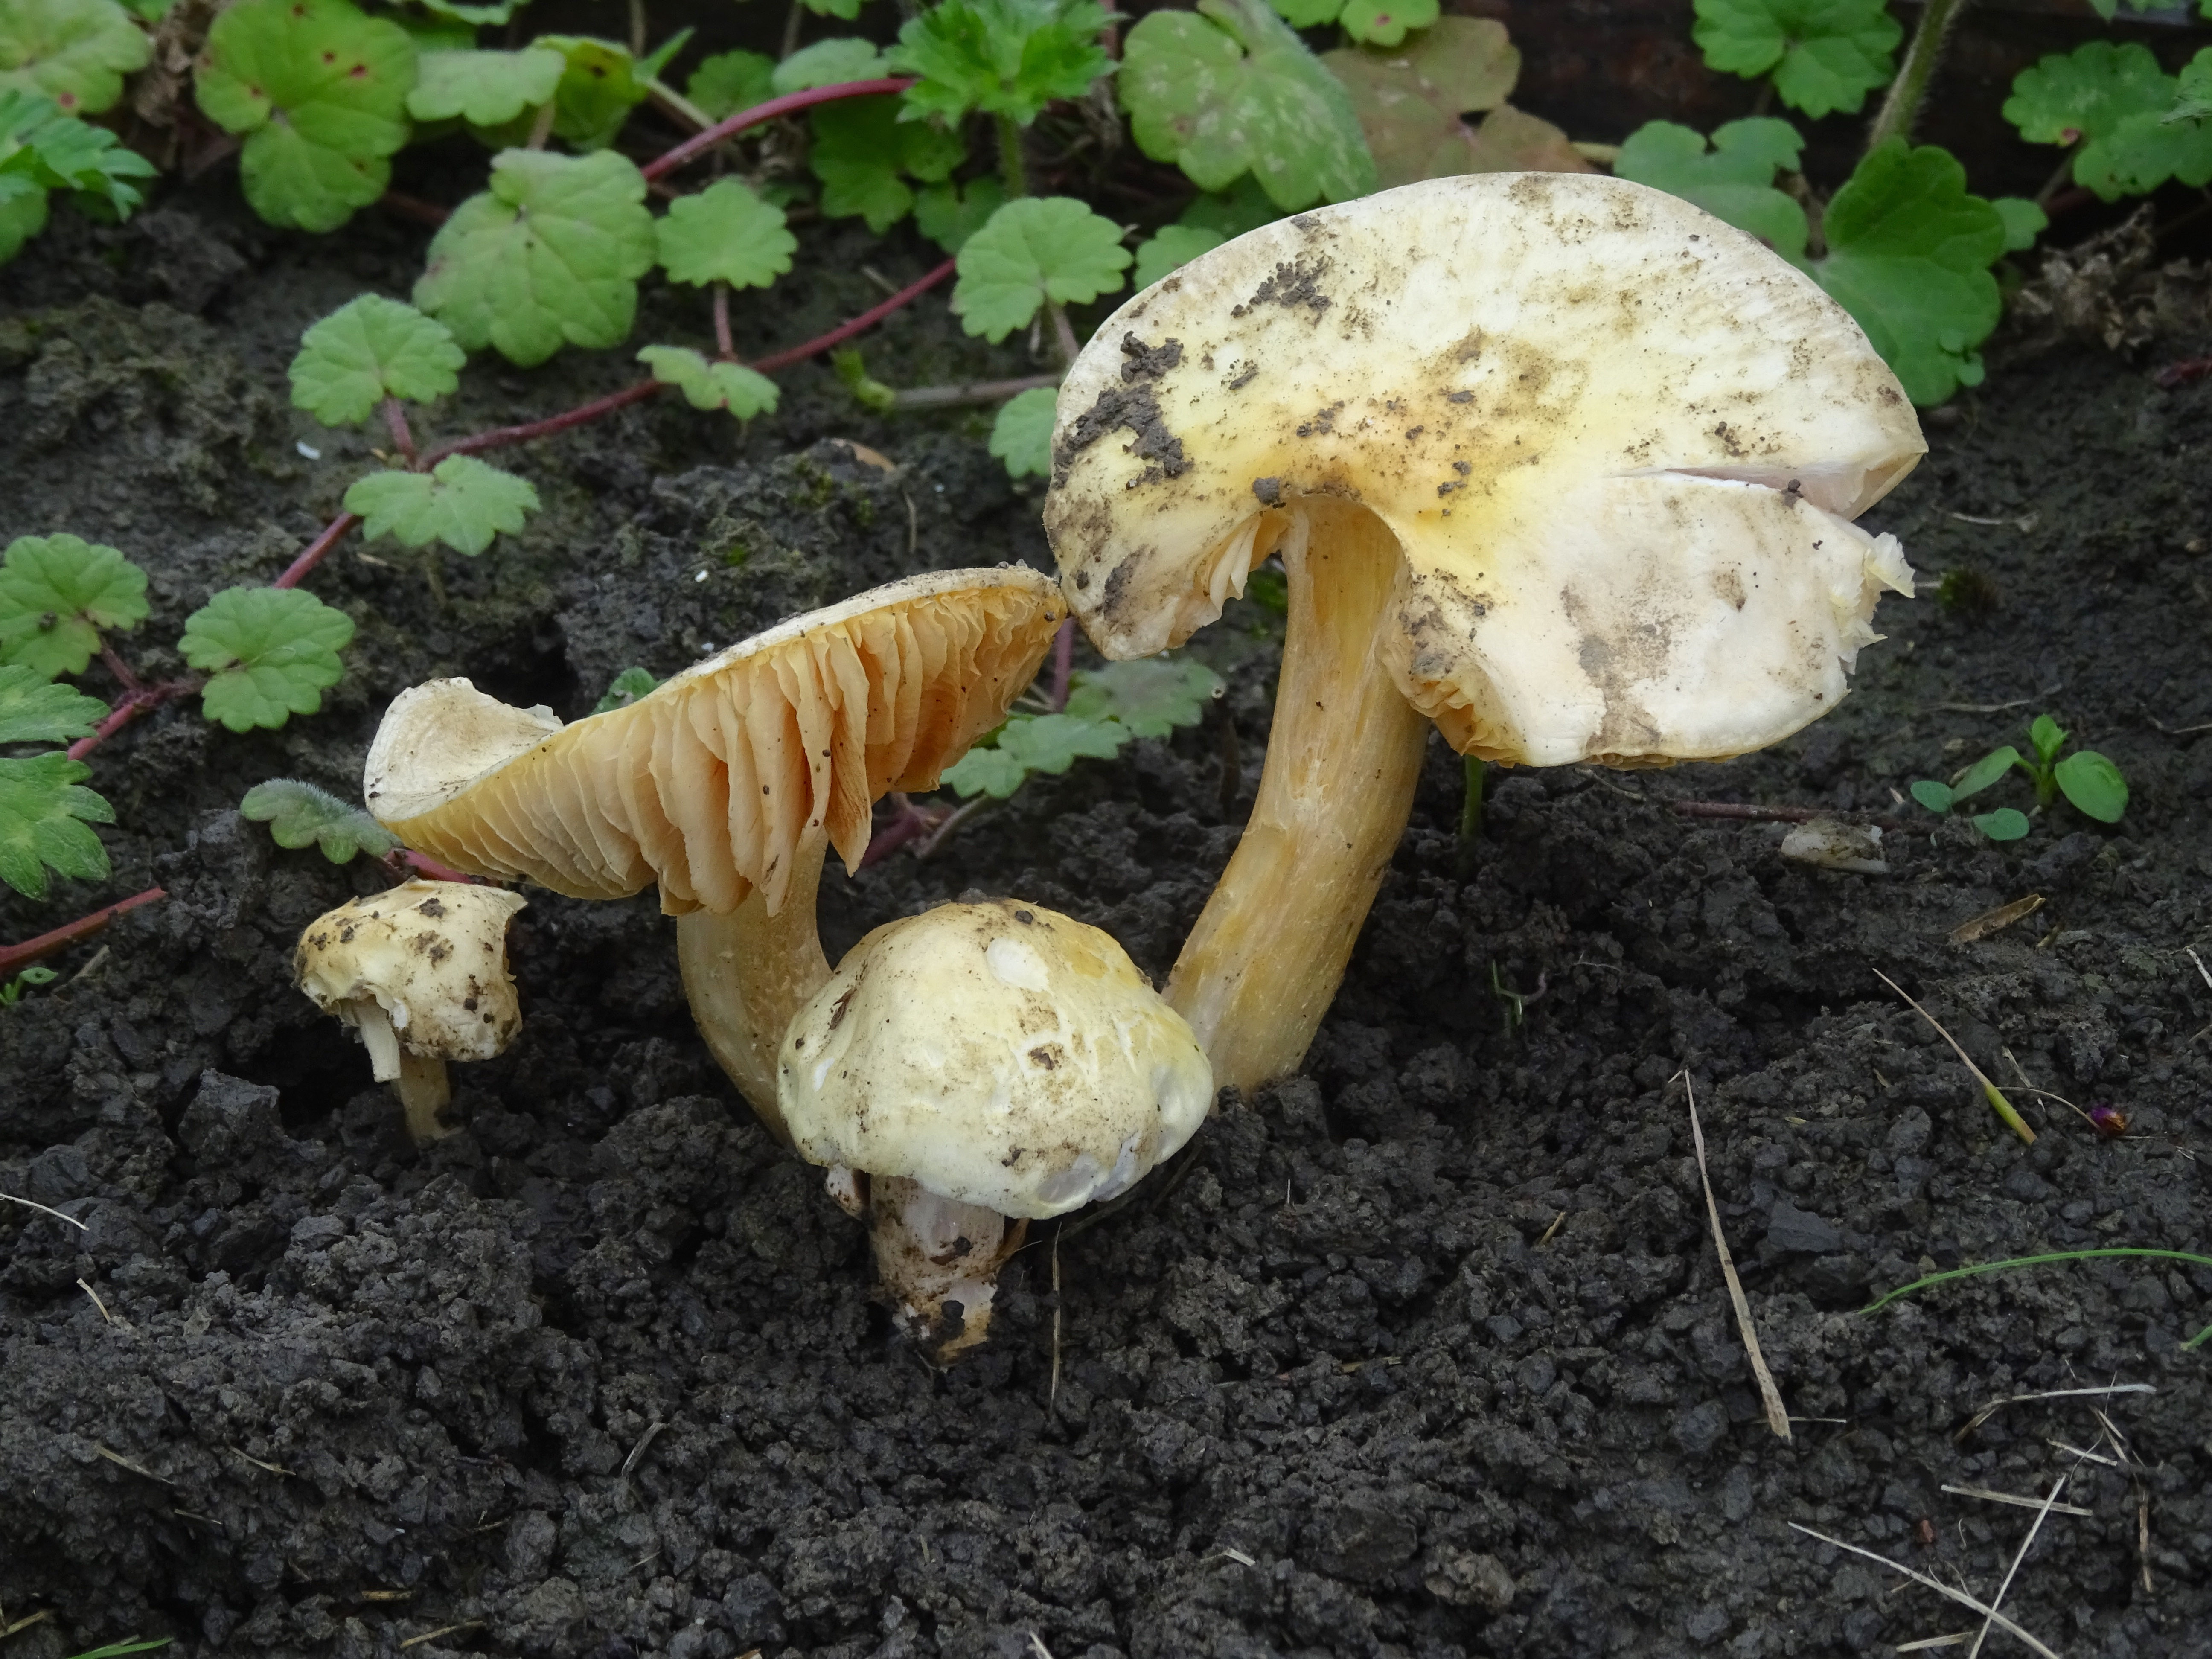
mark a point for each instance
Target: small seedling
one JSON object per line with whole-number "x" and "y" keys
{"x": 1990, "y": 1092}
{"x": 2086, "y": 779}
{"x": 1888, "y": 1297}
{"x": 12, "y": 992}
{"x": 300, "y": 814}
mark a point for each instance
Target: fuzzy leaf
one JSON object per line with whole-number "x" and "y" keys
{"x": 829, "y": 64}
{"x": 2094, "y": 784}
{"x": 725, "y": 234}
{"x": 74, "y": 51}
{"x": 549, "y": 255}
{"x": 1021, "y": 432}
{"x": 1409, "y": 102}
{"x": 269, "y": 653}
{"x": 368, "y": 349}
{"x": 729, "y": 81}
{"x": 949, "y": 214}
{"x": 32, "y": 710}
{"x": 744, "y": 392}
{"x": 1826, "y": 55}
{"x": 484, "y": 88}
{"x": 320, "y": 91}
{"x": 1170, "y": 247}
{"x": 461, "y": 502}
{"x": 1733, "y": 182}
{"x": 625, "y": 689}
{"x": 1037, "y": 248}
{"x": 300, "y": 815}
{"x": 861, "y": 150}
{"x": 43, "y": 814}
{"x": 1909, "y": 255}
{"x": 57, "y": 593}
{"x": 1384, "y": 22}
{"x": 1007, "y": 58}
{"x": 1151, "y": 696}
{"x": 1234, "y": 90}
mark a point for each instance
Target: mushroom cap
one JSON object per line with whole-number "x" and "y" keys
{"x": 709, "y": 782}
{"x": 998, "y": 1054}
{"x": 1618, "y": 442}
{"x": 431, "y": 954}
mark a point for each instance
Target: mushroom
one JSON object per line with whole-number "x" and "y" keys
{"x": 420, "y": 972}
{"x": 727, "y": 784}
{"x": 972, "y": 1069}
{"x": 1559, "y": 463}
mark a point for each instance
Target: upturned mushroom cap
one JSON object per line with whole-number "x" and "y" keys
{"x": 999, "y": 1054}
{"x": 421, "y": 967}
{"x": 709, "y": 783}
{"x": 1618, "y": 444}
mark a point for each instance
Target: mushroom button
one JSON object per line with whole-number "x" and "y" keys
{"x": 1559, "y": 463}
{"x": 984, "y": 1066}
{"x": 727, "y": 784}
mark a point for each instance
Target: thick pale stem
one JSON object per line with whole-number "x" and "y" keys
{"x": 424, "y": 1091}
{"x": 747, "y": 973}
{"x": 934, "y": 1255}
{"x": 1262, "y": 965}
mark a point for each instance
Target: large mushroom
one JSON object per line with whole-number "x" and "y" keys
{"x": 972, "y": 1069}
{"x": 1559, "y": 463}
{"x": 727, "y": 784}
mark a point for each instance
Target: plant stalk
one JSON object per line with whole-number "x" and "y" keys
{"x": 14, "y": 958}
{"x": 1013, "y": 169}
{"x": 1901, "y": 108}
{"x": 692, "y": 148}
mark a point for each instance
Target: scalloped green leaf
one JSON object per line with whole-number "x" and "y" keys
{"x": 1410, "y": 101}
{"x": 298, "y": 814}
{"x": 43, "y": 815}
{"x": 1021, "y": 432}
{"x": 744, "y": 393}
{"x": 33, "y": 710}
{"x": 484, "y": 88}
{"x": 828, "y": 63}
{"x": 1151, "y": 696}
{"x": 1008, "y": 57}
{"x": 74, "y": 51}
{"x": 1035, "y": 249}
{"x": 625, "y": 689}
{"x": 495, "y": 11}
{"x": 1169, "y": 247}
{"x": 1733, "y": 180}
{"x": 462, "y": 501}
{"x": 725, "y": 234}
{"x": 949, "y": 214}
{"x": 57, "y": 595}
{"x": 368, "y": 349}
{"x": 984, "y": 771}
{"x": 269, "y": 654}
{"x": 732, "y": 81}
{"x": 1385, "y": 22}
{"x": 2112, "y": 99}
{"x": 1825, "y": 55}
{"x": 863, "y": 154}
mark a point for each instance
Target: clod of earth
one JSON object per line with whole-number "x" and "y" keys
{"x": 975, "y": 1065}
{"x": 727, "y": 784}
{"x": 420, "y": 972}
{"x": 1559, "y": 462}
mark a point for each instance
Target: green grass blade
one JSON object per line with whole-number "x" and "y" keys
{"x": 1888, "y": 1297}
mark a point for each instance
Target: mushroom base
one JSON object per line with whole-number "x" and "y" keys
{"x": 938, "y": 1260}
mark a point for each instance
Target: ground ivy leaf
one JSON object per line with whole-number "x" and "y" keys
{"x": 625, "y": 689}
{"x": 1037, "y": 248}
{"x": 1409, "y": 102}
{"x": 829, "y": 64}
{"x": 321, "y": 92}
{"x": 1151, "y": 696}
{"x": 43, "y": 815}
{"x": 74, "y": 51}
{"x": 1244, "y": 206}
{"x": 368, "y": 349}
{"x": 2192, "y": 99}
{"x": 725, "y": 234}
{"x": 984, "y": 771}
{"x": 600, "y": 84}
{"x": 33, "y": 709}
{"x": 484, "y": 88}
{"x": 461, "y": 502}
{"x": 1384, "y": 22}
{"x": 1170, "y": 247}
{"x": 2023, "y": 222}
{"x": 57, "y": 593}
{"x": 729, "y": 81}
{"x": 949, "y": 214}
{"x": 1053, "y": 743}
{"x": 1021, "y": 432}
{"x": 300, "y": 815}
{"x": 549, "y": 255}
{"x": 1826, "y": 55}
{"x": 1733, "y": 182}
{"x": 1235, "y": 89}
{"x": 744, "y": 392}
{"x": 1008, "y": 57}
{"x": 270, "y": 653}
{"x": 2087, "y": 93}
{"x": 1909, "y": 253}
{"x": 861, "y": 150}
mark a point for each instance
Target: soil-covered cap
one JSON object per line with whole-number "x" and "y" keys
{"x": 708, "y": 783}
{"x": 998, "y": 1054}
{"x": 1618, "y": 443}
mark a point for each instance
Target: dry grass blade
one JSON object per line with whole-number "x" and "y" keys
{"x": 433, "y": 1634}
{"x": 1994, "y": 1405}
{"x": 2012, "y": 1572}
{"x": 637, "y": 1452}
{"x": 1991, "y": 921}
{"x": 273, "y": 1468}
{"x": 43, "y": 1210}
{"x": 2080, "y": 1454}
{"x": 1994, "y": 1095}
{"x": 1777, "y": 1416}
{"x": 1937, "y": 1585}
{"x": 1956, "y": 1638}
{"x": 122, "y": 1462}
{"x": 2013, "y": 1498}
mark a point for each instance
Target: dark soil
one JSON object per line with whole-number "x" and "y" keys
{"x": 1424, "y": 1353}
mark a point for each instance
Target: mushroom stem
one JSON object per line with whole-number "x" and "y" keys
{"x": 933, "y": 1251}
{"x": 424, "y": 1089}
{"x": 747, "y": 973}
{"x": 1261, "y": 968}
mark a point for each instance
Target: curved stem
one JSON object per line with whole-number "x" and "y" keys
{"x": 14, "y": 957}
{"x": 424, "y": 1091}
{"x": 311, "y": 555}
{"x": 867, "y": 319}
{"x": 1910, "y": 90}
{"x": 791, "y": 101}
{"x": 747, "y": 972}
{"x": 1259, "y": 969}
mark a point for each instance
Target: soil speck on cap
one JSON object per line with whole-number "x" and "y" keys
{"x": 1293, "y": 283}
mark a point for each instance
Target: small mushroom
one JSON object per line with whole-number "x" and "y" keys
{"x": 727, "y": 784}
{"x": 420, "y": 972}
{"x": 972, "y": 1069}
{"x": 1558, "y": 462}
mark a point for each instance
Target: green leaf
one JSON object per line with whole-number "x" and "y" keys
{"x": 1384, "y": 22}
{"x": 42, "y": 149}
{"x": 32, "y": 710}
{"x": 22, "y": 215}
{"x": 1735, "y": 181}
{"x": 2006, "y": 824}
{"x": 949, "y": 214}
{"x": 2023, "y": 222}
{"x": 1235, "y": 90}
{"x": 1409, "y": 102}
{"x": 2192, "y": 93}
{"x": 43, "y": 815}
{"x": 600, "y": 84}
{"x": 75, "y": 51}
{"x": 861, "y": 150}
{"x": 744, "y": 392}
{"x": 1053, "y": 743}
{"x": 269, "y": 653}
{"x": 461, "y": 502}
{"x": 1037, "y": 248}
{"x": 1151, "y": 696}
{"x": 725, "y": 234}
{"x": 495, "y": 12}
{"x": 1173, "y": 246}
{"x": 1008, "y": 57}
{"x": 852, "y": 370}
{"x": 844, "y": 11}
{"x": 2118, "y": 105}
{"x": 1985, "y": 772}
{"x": 1307, "y": 13}
{"x": 368, "y": 349}
{"x": 321, "y": 92}
{"x": 484, "y": 88}
{"x": 1936, "y": 797}
{"x": 1021, "y": 432}
{"x": 625, "y": 689}
{"x": 2048, "y": 737}
{"x": 300, "y": 815}
{"x": 432, "y": 32}
{"x": 1244, "y": 206}
{"x": 984, "y": 771}
{"x": 56, "y": 594}
{"x": 1826, "y": 55}
{"x": 549, "y": 255}
{"x": 1909, "y": 253}
{"x": 729, "y": 81}
{"x": 829, "y": 64}
{"x": 2094, "y": 785}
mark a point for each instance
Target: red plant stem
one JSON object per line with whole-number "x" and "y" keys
{"x": 1063, "y": 663}
{"x": 406, "y": 858}
{"x": 413, "y": 207}
{"x": 723, "y": 344}
{"x": 144, "y": 701}
{"x": 16, "y": 957}
{"x": 125, "y": 676}
{"x": 333, "y": 533}
{"x": 698, "y": 145}
{"x": 859, "y": 325}
{"x": 395, "y": 420}
{"x": 910, "y": 823}
{"x": 500, "y": 437}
